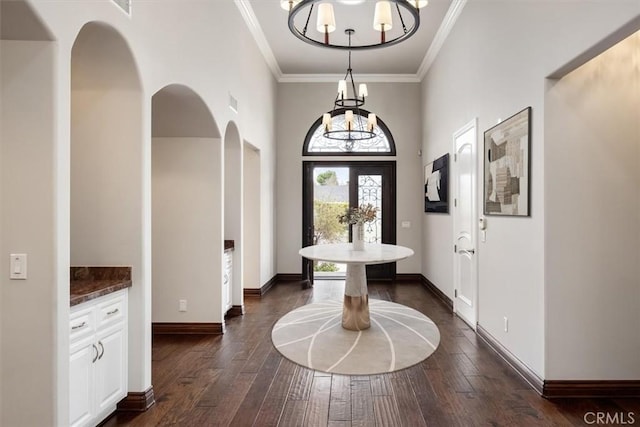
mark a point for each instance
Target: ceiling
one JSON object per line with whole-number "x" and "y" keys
{"x": 290, "y": 56}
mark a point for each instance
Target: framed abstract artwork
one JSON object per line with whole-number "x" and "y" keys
{"x": 436, "y": 185}
{"x": 507, "y": 166}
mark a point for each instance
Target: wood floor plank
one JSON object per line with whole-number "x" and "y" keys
{"x": 410, "y": 414}
{"x": 273, "y": 403}
{"x": 361, "y": 401}
{"x": 317, "y": 411}
{"x": 293, "y": 413}
{"x": 340, "y": 401}
{"x": 385, "y": 410}
{"x": 381, "y": 385}
{"x": 301, "y": 384}
{"x": 248, "y": 410}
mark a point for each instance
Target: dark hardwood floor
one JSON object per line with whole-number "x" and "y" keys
{"x": 239, "y": 379}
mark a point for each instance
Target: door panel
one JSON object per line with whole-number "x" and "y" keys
{"x": 464, "y": 224}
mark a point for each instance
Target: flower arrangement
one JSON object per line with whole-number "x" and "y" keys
{"x": 359, "y": 215}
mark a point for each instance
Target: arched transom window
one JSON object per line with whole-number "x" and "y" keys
{"x": 316, "y": 144}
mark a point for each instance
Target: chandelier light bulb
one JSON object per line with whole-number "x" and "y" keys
{"x": 342, "y": 89}
{"x": 372, "y": 122}
{"x": 326, "y": 22}
{"x": 288, "y": 4}
{"x": 362, "y": 90}
{"x": 420, "y": 3}
{"x": 326, "y": 121}
{"x": 348, "y": 118}
{"x": 382, "y": 19}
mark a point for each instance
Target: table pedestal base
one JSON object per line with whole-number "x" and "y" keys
{"x": 355, "y": 311}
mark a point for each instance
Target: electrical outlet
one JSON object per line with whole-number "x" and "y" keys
{"x": 506, "y": 324}
{"x": 183, "y": 305}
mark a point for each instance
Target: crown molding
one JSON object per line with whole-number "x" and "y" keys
{"x": 251, "y": 20}
{"x": 362, "y": 78}
{"x": 455, "y": 9}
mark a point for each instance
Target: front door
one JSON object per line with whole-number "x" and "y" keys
{"x": 328, "y": 189}
{"x": 464, "y": 224}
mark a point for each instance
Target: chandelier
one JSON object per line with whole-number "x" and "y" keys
{"x": 356, "y": 129}
{"x": 407, "y": 12}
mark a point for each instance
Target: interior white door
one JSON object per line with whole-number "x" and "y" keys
{"x": 465, "y": 275}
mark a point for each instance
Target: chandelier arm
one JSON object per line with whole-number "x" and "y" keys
{"x": 404, "y": 27}
{"x": 306, "y": 24}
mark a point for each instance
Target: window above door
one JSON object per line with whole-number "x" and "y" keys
{"x": 315, "y": 144}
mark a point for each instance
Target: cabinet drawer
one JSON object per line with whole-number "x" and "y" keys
{"x": 111, "y": 311}
{"x": 81, "y": 324}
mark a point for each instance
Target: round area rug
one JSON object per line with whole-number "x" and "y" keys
{"x": 313, "y": 336}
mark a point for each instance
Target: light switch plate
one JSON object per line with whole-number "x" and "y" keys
{"x": 406, "y": 224}
{"x": 18, "y": 269}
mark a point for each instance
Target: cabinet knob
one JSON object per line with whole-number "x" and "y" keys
{"x": 102, "y": 347}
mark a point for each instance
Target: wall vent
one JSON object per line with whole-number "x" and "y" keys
{"x": 233, "y": 104}
{"x": 125, "y": 5}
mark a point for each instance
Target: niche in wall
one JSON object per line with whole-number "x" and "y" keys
{"x": 106, "y": 150}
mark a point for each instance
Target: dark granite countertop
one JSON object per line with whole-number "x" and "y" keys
{"x": 228, "y": 245}
{"x": 88, "y": 283}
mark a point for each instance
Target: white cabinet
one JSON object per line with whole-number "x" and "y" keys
{"x": 98, "y": 358}
{"x": 227, "y": 280}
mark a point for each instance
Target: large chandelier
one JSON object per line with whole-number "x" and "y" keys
{"x": 407, "y": 12}
{"x": 356, "y": 128}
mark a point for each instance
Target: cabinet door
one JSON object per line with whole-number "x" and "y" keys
{"x": 81, "y": 382}
{"x": 227, "y": 281}
{"x": 111, "y": 367}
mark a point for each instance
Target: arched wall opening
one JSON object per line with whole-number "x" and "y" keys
{"x": 187, "y": 213}
{"x": 251, "y": 219}
{"x": 107, "y": 173}
{"x": 233, "y": 211}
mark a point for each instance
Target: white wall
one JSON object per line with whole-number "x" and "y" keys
{"x": 27, "y": 162}
{"x": 168, "y": 41}
{"x": 299, "y": 106}
{"x": 492, "y": 65}
{"x": 592, "y": 236}
{"x": 187, "y": 240}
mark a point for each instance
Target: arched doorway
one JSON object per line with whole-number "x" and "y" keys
{"x": 251, "y": 241}
{"x": 108, "y": 193}
{"x": 233, "y": 216}
{"x": 331, "y": 186}
{"x": 187, "y": 237}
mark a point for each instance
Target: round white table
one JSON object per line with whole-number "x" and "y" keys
{"x": 355, "y": 311}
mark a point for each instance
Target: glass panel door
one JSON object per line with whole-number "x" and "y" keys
{"x": 370, "y": 192}
{"x": 328, "y": 188}
{"x": 330, "y": 199}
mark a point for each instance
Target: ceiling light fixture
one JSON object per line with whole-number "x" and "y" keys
{"x": 383, "y": 16}
{"x": 355, "y": 129}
